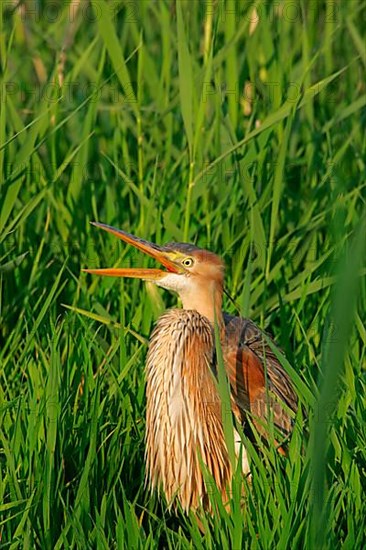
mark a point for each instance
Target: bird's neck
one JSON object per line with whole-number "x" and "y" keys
{"x": 206, "y": 299}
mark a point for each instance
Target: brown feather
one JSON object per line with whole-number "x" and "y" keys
{"x": 247, "y": 357}
{"x": 184, "y": 422}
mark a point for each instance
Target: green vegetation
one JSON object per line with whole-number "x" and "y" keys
{"x": 239, "y": 126}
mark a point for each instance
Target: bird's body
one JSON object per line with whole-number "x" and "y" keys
{"x": 184, "y": 415}
{"x": 184, "y": 410}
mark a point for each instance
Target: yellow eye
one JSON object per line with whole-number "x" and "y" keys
{"x": 187, "y": 262}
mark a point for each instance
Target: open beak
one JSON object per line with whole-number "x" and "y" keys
{"x": 159, "y": 253}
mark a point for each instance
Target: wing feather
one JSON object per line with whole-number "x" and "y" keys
{"x": 259, "y": 384}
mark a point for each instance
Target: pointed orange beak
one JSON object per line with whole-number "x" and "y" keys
{"x": 159, "y": 253}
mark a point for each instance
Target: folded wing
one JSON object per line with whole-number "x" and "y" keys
{"x": 259, "y": 384}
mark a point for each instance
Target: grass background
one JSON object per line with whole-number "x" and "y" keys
{"x": 239, "y": 126}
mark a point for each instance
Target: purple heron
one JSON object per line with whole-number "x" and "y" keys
{"x": 184, "y": 418}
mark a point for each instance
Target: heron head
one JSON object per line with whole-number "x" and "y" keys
{"x": 194, "y": 273}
